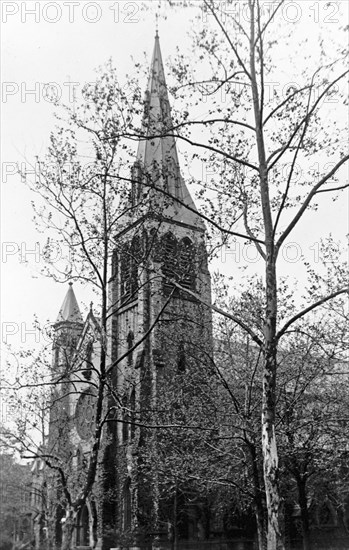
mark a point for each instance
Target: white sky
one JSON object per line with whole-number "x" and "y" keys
{"x": 34, "y": 54}
{"x": 37, "y": 52}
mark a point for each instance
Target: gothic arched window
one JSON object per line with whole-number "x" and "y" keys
{"x": 178, "y": 262}
{"x": 125, "y": 274}
{"x": 83, "y": 527}
{"x": 169, "y": 259}
{"x": 186, "y": 264}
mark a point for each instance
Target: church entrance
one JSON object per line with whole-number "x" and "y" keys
{"x": 83, "y": 528}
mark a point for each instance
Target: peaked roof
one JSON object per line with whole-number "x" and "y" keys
{"x": 157, "y": 156}
{"x": 70, "y": 311}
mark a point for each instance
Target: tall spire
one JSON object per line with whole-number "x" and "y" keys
{"x": 156, "y": 25}
{"x": 157, "y": 156}
{"x": 157, "y": 116}
{"x": 70, "y": 311}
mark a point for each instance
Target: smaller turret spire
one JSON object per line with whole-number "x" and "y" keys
{"x": 70, "y": 311}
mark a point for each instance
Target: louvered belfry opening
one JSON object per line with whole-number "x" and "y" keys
{"x": 187, "y": 264}
{"x": 178, "y": 262}
{"x": 169, "y": 260}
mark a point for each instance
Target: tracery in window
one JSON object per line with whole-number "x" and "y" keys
{"x": 178, "y": 262}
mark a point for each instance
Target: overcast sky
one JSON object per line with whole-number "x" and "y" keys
{"x": 62, "y": 43}
{"x": 62, "y": 52}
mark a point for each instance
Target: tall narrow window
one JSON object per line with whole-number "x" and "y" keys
{"x": 130, "y": 340}
{"x": 125, "y": 274}
{"x": 187, "y": 264}
{"x": 169, "y": 255}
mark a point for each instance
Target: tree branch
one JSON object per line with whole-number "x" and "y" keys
{"x": 308, "y": 309}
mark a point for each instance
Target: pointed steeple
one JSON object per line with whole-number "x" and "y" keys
{"x": 70, "y": 311}
{"x": 157, "y": 156}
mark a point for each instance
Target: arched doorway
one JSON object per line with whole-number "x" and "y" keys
{"x": 83, "y": 528}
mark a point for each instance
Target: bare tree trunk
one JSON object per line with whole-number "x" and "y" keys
{"x": 270, "y": 455}
{"x": 270, "y": 463}
{"x": 269, "y": 448}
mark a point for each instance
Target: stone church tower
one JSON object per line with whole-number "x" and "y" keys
{"x": 75, "y": 360}
{"x": 159, "y": 340}
{"x": 160, "y": 331}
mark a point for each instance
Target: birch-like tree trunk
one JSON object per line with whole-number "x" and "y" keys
{"x": 269, "y": 447}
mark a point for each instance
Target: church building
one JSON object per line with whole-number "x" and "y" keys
{"x": 158, "y": 343}
{"x": 149, "y": 485}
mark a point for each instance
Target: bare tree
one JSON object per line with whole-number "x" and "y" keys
{"x": 255, "y": 145}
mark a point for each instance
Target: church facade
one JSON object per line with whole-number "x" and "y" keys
{"x": 158, "y": 342}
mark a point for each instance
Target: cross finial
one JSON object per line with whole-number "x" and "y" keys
{"x": 91, "y": 306}
{"x": 156, "y": 25}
